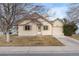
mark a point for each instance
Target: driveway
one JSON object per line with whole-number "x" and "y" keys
{"x": 68, "y": 41}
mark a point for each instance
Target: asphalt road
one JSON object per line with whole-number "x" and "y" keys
{"x": 40, "y": 51}
{"x": 40, "y": 54}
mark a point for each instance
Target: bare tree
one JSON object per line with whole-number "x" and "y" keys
{"x": 10, "y": 13}
{"x": 73, "y": 12}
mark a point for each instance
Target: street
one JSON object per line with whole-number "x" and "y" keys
{"x": 40, "y": 51}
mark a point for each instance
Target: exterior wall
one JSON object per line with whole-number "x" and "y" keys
{"x": 24, "y": 22}
{"x": 23, "y": 32}
{"x": 58, "y": 28}
{"x": 41, "y": 20}
{"x": 34, "y": 31}
{"x": 46, "y": 32}
{"x": 58, "y": 31}
{"x": 57, "y": 23}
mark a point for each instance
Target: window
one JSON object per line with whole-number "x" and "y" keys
{"x": 45, "y": 27}
{"x": 27, "y": 27}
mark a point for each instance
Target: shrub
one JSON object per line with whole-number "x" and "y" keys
{"x": 69, "y": 29}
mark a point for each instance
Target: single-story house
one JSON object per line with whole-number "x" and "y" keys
{"x": 36, "y": 24}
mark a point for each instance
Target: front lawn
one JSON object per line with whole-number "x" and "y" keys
{"x": 76, "y": 36}
{"x": 31, "y": 41}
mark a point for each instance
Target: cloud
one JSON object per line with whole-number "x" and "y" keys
{"x": 57, "y": 12}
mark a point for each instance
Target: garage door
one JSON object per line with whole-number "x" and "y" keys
{"x": 57, "y": 31}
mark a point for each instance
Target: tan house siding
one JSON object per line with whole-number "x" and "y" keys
{"x": 23, "y": 32}
{"x": 57, "y": 23}
{"x": 49, "y": 31}
{"x": 25, "y": 22}
{"x": 55, "y": 29}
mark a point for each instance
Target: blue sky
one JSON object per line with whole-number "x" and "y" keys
{"x": 59, "y": 9}
{"x": 50, "y": 5}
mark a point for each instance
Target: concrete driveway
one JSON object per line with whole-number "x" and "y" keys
{"x": 68, "y": 41}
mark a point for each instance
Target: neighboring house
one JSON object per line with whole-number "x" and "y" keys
{"x": 36, "y": 24}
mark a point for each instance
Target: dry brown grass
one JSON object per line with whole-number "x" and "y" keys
{"x": 75, "y": 36}
{"x": 31, "y": 41}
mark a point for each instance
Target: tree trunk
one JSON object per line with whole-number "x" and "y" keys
{"x": 7, "y": 37}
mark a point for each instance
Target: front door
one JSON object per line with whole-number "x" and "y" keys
{"x": 39, "y": 30}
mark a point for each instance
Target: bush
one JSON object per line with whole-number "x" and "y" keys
{"x": 69, "y": 29}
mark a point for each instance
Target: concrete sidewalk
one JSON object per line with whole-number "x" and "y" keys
{"x": 67, "y": 41}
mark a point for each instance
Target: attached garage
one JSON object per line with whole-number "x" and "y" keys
{"x": 57, "y": 28}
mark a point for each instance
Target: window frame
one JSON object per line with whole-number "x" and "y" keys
{"x": 45, "y": 27}
{"x": 27, "y": 27}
